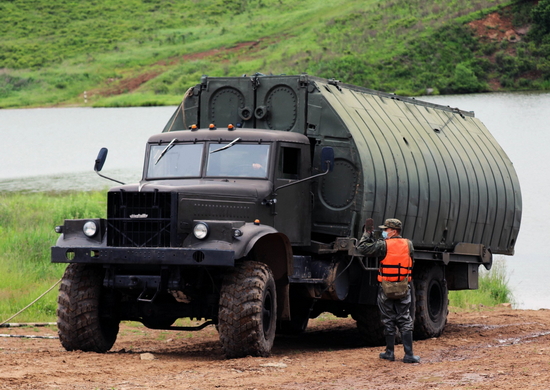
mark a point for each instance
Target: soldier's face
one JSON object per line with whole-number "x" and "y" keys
{"x": 391, "y": 232}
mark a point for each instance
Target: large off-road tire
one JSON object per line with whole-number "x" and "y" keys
{"x": 248, "y": 311}
{"x": 432, "y": 301}
{"x": 80, "y": 321}
{"x": 369, "y": 324}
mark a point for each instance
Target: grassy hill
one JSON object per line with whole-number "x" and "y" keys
{"x": 148, "y": 52}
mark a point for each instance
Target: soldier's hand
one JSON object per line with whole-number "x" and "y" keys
{"x": 369, "y": 226}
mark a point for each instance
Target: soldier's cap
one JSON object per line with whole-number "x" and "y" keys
{"x": 391, "y": 223}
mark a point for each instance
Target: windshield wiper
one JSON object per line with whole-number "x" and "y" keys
{"x": 226, "y": 146}
{"x": 166, "y": 149}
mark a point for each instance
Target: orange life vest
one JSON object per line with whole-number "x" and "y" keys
{"x": 398, "y": 262}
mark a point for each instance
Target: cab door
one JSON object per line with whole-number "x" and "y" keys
{"x": 293, "y": 207}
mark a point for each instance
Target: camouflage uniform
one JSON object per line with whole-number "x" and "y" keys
{"x": 394, "y": 312}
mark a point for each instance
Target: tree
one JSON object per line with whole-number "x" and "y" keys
{"x": 465, "y": 80}
{"x": 541, "y": 19}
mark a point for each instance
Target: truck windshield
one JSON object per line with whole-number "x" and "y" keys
{"x": 183, "y": 160}
{"x": 239, "y": 160}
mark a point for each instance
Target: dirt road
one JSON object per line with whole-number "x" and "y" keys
{"x": 488, "y": 349}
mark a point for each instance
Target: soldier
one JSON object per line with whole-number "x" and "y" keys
{"x": 396, "y": 266}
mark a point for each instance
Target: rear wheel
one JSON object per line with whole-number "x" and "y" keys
{"x": 369, "y": 324}
{"x": 299, "y": 318}
{"x": 432, "y": 301}
{"x": 82, "y": 319}
{"x": 248, "y": 310}
{"x": 293, "y": 327}
{"x": 300, "y": 310}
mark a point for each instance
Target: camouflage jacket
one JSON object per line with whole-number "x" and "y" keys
{"x": 369, "y": 246}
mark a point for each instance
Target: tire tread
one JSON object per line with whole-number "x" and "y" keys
{"x": 240, "y": 312}
{"x": 78, "y": 321}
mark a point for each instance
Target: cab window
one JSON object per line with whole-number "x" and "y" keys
{"x": 174, "y": 161}
{"x": 289, "y": 163}
{"x": 238, "y": 160}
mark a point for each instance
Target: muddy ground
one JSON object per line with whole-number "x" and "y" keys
{"x": 483, "y": 349}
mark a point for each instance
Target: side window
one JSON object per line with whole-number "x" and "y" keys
{"x": 289, "y": 163}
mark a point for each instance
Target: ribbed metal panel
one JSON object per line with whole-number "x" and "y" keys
{"x": 440, "y": 172}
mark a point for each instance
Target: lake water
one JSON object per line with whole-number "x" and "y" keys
{"x": 55, "y": 149}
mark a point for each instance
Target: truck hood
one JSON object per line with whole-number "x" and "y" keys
{"x": 250, "y": 189}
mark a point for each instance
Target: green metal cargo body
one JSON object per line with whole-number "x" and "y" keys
{"x": 436, "y": 168}
{"x": 255, "y": 195}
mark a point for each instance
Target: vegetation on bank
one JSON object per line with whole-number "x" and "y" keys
{"x": 150, "y": 52}
{"x": 27, "y": 222}
{"x": 493, "y": 289}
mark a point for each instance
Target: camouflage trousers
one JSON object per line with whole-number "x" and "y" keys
{"x": 395, "y": 313}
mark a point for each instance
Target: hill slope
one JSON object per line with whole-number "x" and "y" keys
{"x": 131, "y": 52}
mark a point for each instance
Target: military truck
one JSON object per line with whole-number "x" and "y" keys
{"x": 251, "y": 204}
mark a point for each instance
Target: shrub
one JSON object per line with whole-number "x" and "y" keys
{"x": 465, "y": 80}
{"x": 541, "y": 19}
{"x": 493, "y": 289}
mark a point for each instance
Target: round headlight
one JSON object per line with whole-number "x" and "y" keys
{"x": 200, "y": 230}
{"x": 89, "y": 228}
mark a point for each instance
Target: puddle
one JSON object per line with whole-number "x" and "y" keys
{"x": 489, "y": 327}
{"x": 519, "y": 340}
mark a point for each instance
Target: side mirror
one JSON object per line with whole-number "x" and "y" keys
{"x": 327, "y": 159}
{"x": 100, "y": 160}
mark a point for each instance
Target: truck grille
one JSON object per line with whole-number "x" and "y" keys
{"x": 140, "y": 219}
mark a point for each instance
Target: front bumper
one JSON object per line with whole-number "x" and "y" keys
{"x": 153, "y": 256}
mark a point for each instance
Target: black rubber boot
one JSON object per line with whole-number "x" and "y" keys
{"x": 390, "y": 344}
{"x": 408, "y": 347}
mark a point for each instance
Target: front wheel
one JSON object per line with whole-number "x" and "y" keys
{"x": 432, "y": 301}
{"x": 248, "y": 311}
{"x": 82, "y": 319}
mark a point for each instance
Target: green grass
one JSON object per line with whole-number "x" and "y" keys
{"x": 27, "y": 222}
{"x": 493, "y": 289}
{"x": 51, "y": 52}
